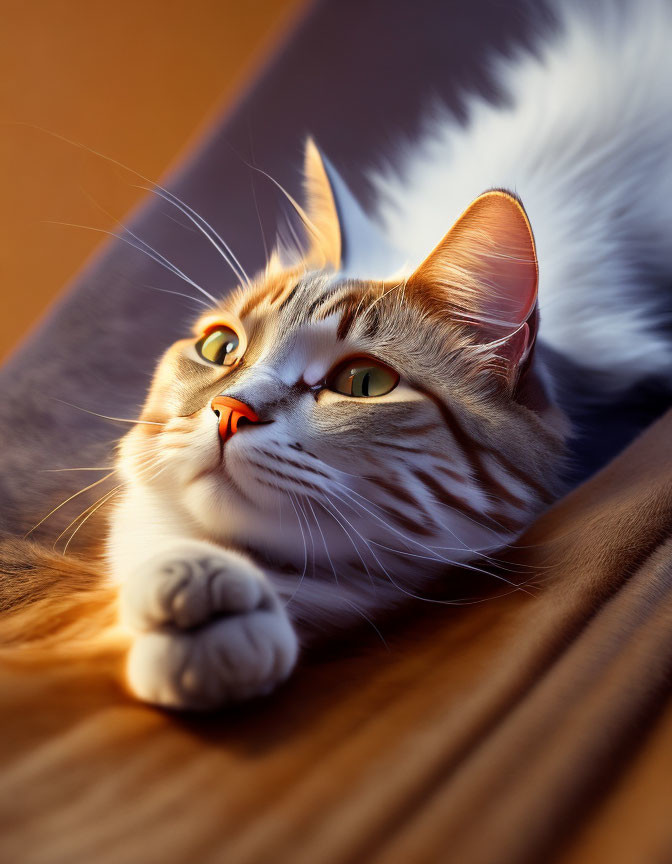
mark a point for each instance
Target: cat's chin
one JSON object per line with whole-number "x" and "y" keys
{"x": 258, "y": 516}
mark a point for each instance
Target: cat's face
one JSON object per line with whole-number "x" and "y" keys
{"x": 388, "y": 434}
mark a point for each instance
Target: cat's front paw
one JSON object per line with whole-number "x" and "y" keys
{"x": 229, "y": 660}
{"x": 209, "y": 629}
{"x": 189, "y": 584}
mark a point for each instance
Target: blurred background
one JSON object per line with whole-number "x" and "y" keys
{"x": 137, "y": 81}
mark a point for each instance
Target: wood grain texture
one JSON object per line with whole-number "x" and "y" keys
{"x": 137, "y": 81}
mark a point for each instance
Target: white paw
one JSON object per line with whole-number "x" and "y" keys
{"x": 228, "y": 660}
{"x": 212, "y": 630}
{"x": 188, "y": 585}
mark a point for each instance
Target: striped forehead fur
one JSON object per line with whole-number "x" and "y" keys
{"x": 417, "y": 332}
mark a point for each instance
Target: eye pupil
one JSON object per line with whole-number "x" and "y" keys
{"x": 216, "y": 345}
{"x": 362, "y": 378}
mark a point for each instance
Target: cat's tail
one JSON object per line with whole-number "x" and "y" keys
{"x": 53, "y": 607}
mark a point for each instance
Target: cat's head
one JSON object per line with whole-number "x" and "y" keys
{"x": 363, "y": 419}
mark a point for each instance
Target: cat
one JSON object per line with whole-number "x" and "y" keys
{"x": 337, "y": 432}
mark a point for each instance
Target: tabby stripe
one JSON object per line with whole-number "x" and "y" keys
{"x": 472, "y": 448}
{"x": 278, "y": 293}
{"x": 418, "y": 430}
{"x": 396, "y": 491}
{"x": 467, "y": 444}
{"x": 500, "y": 521}
{"x": 301, "y": 467}
{"x": 449, "y": 472}
{"x": 543, "y": 493}
{"x": 372, "y": 321}
{"x": 402, "y": 447}
{"x": 503, "y": 519}
{"x": 445, "y": 497}
{"x": 289, "y": 297}
{"x": 505, "y": 494}
{"x": 338, "y": 301}
{"x": 406, "y": 521}
{"x": 282, "y": 476}
{"x": 346, "y": 322}
{"x": 320, "y": 301}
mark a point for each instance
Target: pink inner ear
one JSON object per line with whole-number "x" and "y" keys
{"x": 492, "y": 242}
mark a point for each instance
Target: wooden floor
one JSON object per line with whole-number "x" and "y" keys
{"x": 137, "y": 81}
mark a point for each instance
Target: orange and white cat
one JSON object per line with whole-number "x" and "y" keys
{"x": 344, "y": 427}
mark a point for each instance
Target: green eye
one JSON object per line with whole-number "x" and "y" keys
{"x": 363, "y": 377}
{"x": 219, "y": 345}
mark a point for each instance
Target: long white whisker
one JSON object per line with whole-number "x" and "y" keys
{"x": 59, "y": 470}
{"x": 331, "y": 505}
{"x": 177, "y": 294}
{"x": 303, "y": 216}
{"x": 106, "y": 417}
{"x": 146, "y": 249}
{"x": 142, "y": 177}
{"x": 326, "y": 549}
{"x": 310, "y": 533}
{"x": 205, "y": 228}
{"x": 63, "y": 503}
{"x": 305, "y": 549}
{"x": 90, "y": 510}
{"x": 460, "y": 564}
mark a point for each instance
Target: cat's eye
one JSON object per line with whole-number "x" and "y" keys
{"x": 363, "y": 376}
{"x": 220, "y": 345}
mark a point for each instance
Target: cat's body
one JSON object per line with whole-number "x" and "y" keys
{"x": 346, "y": 487}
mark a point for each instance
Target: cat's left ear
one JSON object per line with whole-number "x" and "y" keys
{"x": 341, "y": 235}
{"x": 485, "y": 272}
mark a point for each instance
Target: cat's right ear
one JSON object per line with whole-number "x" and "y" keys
{"x": 484, "y": 273}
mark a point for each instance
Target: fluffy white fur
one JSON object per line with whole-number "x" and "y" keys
{"x": 584, "y": 138}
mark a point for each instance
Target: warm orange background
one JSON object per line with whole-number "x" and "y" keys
{"x": 136, "y": 80}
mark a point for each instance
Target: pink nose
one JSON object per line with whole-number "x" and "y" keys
{"x": 231, "y": 413}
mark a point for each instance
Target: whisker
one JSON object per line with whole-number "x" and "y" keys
{"x": 145, "y": 248}
{"x": 106, "y": 417}
{"x": 256, "y": 206}
{"x": 142, "y": 177}
{"x": 301, "y": 213}
{"x": 368, "y": 620}
{"x": 58, "y": 470}
{"x": 305, "y": 550}
{"x": 378, "y": 299}
{"x": 85, "y": 511}
{"x": 326, "y": 549}
{"x": 460, "y": 564}
{"x": 105, "y": 500}
{"x": 310, "y": 533}
{"x": 63, "y": 503}
{"x": 206, "y": 229}
{"x": 177, "y": 293}
{"x": 354, "y": 545}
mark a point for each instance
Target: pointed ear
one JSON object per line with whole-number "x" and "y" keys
{"x": 321, "y": 207}
{"x": 343, "y": 236}
{"x": 485, "y": 272}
